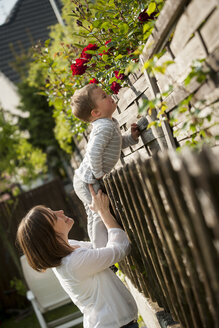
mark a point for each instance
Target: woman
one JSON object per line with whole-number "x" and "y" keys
{"x": 82, "y": 270}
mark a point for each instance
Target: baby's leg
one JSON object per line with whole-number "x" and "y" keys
{"x": 96, "y": 229}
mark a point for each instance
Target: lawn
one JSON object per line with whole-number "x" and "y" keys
{"x": 31, "y": 321}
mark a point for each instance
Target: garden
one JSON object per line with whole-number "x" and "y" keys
{"x": 132, "y": 50}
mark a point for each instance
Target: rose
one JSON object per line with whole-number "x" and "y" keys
{"x": 110, "y": 48}
{"x": 78, "y": 70}
{"x": 119, "y": 76}
{"x": 108, "y": 41}
{"x": 79, "y": 67}
{"x": 130, "y": 51}
{"x": 86, "y": 56}
{"x": 144, "y": 17}
{"x": 115, "y": 87}
{"x": 93, "y": 81}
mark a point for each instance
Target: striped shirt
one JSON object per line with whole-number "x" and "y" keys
{"x": 103, "y": 149}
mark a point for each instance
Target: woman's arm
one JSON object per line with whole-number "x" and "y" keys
{"x": 88, "y": 262}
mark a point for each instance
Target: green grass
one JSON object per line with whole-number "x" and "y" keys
{"x": 31, "y": 321}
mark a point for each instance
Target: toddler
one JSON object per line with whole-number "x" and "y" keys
{"x": 91, "y": 104}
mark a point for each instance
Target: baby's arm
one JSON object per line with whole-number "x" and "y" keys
{"x": 131, "y": 139}
{"x": 100, "y": 138}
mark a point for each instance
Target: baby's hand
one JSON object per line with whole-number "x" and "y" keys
{"x": 135, "y": 131}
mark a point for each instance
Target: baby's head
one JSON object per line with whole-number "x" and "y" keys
{"x": 82, "y": 102}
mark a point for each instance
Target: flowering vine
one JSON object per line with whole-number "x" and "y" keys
{"x": 109, "y": 35}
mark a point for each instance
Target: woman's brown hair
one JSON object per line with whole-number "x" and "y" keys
{"x": 43, "y": 247}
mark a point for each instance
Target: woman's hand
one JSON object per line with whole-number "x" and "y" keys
{"x": 100, "y": 201}
{"x": 100, "y": 204}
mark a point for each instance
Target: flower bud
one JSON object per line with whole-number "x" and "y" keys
{"x": 79, "y": 23}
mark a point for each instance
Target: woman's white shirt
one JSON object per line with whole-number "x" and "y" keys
{"x": 93, "y": 287}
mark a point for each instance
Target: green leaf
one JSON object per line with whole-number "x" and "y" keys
{"x": 146, "y": 27}
{"x": 151, "y": 8}
{"x": 97, "y": 23}
{"x": 123, "y": 28}
{"x": 106, "y": 25}
{"x": 154, "y": 123}
{"x": 79, "y": 45}
{"x": 112, "y": 80}
{"x": 58, "y": 103}
{"x": 192, "y": 127}
{"x": 105, "y": 58}
{"x": 183, "y": 109}
{"x": 119, "y": 57}
{"x": 47, "y": 42}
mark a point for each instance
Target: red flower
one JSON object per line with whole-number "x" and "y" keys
{"x": 108, "y": 41}
{"x": 130, "y": 51}
{"x": 144, "y": 17}
{"x": 79, "y": 68}
{"x": 86, "y": 56}
{"x": 110, "y": 48}
{"x": 115, "y": 87}
{"x": 93, "y": 81}
{"x": 119, "y": 76}
{"x": 80, "y": 61}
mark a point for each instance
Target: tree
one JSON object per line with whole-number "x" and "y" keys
{"x": 20, "y": 161}
{"x": 40, "y": 125}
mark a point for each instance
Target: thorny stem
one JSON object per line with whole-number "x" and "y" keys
{"x": 120, "y": 12}
{"x": 89, "y": 30}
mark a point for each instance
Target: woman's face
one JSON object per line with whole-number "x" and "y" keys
{"x": 63, "y": 224}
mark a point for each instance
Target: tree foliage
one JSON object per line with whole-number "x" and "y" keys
{"x": 20, "y": 161}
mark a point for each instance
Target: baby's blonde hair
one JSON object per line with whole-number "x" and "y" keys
{"x": 82, "y": 102}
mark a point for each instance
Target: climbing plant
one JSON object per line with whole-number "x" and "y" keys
{"x": 105, "y": 38}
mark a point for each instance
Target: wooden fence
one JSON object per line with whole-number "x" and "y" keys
{"x": 52, "y": 195}
{"x": 185, "y": 30}
{"x": 168, "y": 205}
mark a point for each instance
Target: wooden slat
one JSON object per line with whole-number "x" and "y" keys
{"x": 138, "y": 145}
{"x": 165, "y": 22}
{"x": 142, "y": 152}
{"x": 179, "y": 93}
{"x": 183, "y": 229}
{"x": 132, "y": 111}
{"x": 181, "y": 68}
{"x": 132, "y": 93}
{"x": 209, "y": 31}
{"x": 189, "y": 22}
{"x": 213, "y": 60}
{"x": 164, "y": 80}
{"x": 126, "y": 151}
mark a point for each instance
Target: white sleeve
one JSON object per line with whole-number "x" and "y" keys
{"x": 96, "y": 260}
{"x": 127, "y": 140}
{"x": 86, "y": 244}
{"x": 101, "y": 136}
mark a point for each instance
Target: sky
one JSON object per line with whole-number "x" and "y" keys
{"x": 5, "y": 8}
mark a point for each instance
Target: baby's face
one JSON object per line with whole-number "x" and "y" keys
{"x": 105, "y": 105}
